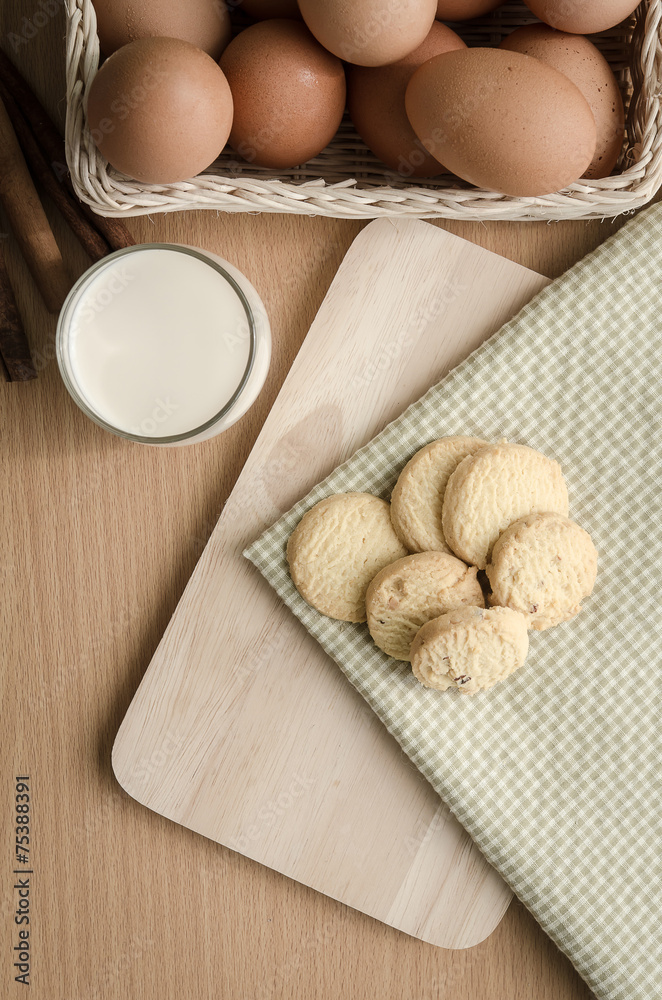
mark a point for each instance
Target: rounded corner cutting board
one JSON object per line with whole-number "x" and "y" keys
{"x": 242, "y": 728}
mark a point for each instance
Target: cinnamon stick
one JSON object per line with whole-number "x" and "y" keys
{"x": 14, "y": 348}
{"x": 28, "y": 220}
{"x": 92, "y": 241}
{"x": 52, "y": 145}
{"x": 45, "y": 131}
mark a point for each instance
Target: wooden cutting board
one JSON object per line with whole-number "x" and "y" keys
{"x": 242, "y": 728}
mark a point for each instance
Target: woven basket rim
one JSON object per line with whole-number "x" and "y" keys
{"x": 110, "y": 193}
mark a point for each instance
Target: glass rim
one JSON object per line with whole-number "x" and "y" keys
{"x": 63, "y": 327}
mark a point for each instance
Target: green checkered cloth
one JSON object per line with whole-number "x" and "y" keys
{"x": 556, "y": 773}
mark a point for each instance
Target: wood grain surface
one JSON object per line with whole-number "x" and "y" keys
{"x": 99, "y": 538}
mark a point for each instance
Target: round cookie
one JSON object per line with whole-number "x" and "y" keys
{"x": 418, "y": 495}
{"x": 411, "y": 591}
{"x": 338, "y": 546}
{"x": 543, "y": 565}
{"x": 470, "y": 649}
{"x": 494, "y": 487}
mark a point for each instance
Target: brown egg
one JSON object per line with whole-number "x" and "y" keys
{"x": 582, "y": 17}
{"x": 288, "y": 92}
{"x": 205, "y": 23}
{"x": 376, "y": 102}
{"x": 502, "y": 120}
{"x": 160, "y": 110}
{"x": 263, "y": 9}
{"x": 588, "y": 69}
{"x": 462, "y": 10}
{"x": 369, "y": 32}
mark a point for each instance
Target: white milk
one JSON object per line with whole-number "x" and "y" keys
{"x": 158, "y": 342}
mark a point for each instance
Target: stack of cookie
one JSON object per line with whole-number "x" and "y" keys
{"x": 474, "y": 550}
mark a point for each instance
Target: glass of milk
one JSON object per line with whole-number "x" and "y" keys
{"x": 163, "y": 344}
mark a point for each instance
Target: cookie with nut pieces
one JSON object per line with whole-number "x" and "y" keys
{"x": 409, "y": 592}
{"x": 471, "y": 649}
{"x": 543, "y": 565}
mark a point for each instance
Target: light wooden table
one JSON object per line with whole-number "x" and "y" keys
{"x": 99, "y": 537}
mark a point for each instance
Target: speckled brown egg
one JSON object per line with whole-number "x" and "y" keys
{"x": 502, "y": 120}
{"x": 588, "y": 69}
{"x": 260, "y": 10}
{"x": 582, "y": 17}
{"x": 205, "y": 23}
{"x": 369, "y": 32}
{"x": 463, "y": 10}
{"x": 376, "y": 102}
{"x": 160, "y": 110}
{"x": 288, "y": 92}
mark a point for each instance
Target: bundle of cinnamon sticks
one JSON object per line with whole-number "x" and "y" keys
{"x": 32, "y": 149}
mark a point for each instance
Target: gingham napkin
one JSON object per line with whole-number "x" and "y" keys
{"x": 556, "y": 773}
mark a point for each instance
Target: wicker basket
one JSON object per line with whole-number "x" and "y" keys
{"x": 347, "y": 181}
